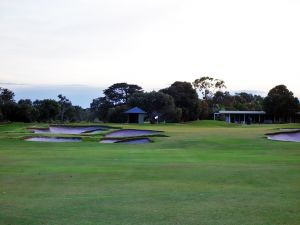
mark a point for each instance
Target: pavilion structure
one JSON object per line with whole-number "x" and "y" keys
{"x": 136, "y": 115}
{"x": 242, "y": 116}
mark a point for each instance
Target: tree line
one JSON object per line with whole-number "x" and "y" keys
{"x": 180, "y": 102}
{"x": 46, "y": 110}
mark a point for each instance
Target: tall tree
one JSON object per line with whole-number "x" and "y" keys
{"x": 119, "y": 93}
{"x": 247, "y": 101}
{"x": 100, "y": 107}
{"x": 186, "y": 98}
{"x": 6, "y": 95}
{"x": 64, "y": 105}
{"x": 281, "y": 102}
{"x": 223, "y": 100}
{"x": 79, "y": 114}
{"x": 208, "y": 86}
{"x": 204, "y": 110}
{"x": 110, "y": 107}
{"x": 8, "y": 107}
{"x": 25, "y": 111}
{"x": 9, "y": 111}
{"x": 47, "y": 109}
{"x": 157, "y": 104}
{"x": 238, "y": 101}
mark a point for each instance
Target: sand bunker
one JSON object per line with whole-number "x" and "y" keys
{"x": 68, "y": 129}
{"x": 288, "y": 136}
{"x": 109, "y": 141}
{"x": 290, "y": 129}
{"x": 132, "y": 133}
{"x": 126, "y": 136}
{"x": 127, "y": 141}
{"x": 136, "y": 141}
{"x": 53, "y": 139}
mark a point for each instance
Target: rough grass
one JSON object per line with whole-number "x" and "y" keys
{"x": 205, "y": 172}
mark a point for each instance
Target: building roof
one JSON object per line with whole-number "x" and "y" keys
{"x": 241, "y": 112}
{"x": 135, "y": 110}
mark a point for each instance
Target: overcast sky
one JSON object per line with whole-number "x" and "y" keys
{"x": 252, "y": 45}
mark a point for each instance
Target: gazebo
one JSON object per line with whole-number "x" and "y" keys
{"x": 136, "y": 115}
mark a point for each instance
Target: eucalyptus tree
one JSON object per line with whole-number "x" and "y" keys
{"x": 208, "y": 86}
{"x": 64, "y": 105}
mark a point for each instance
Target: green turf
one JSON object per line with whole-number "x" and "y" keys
{"x": 203, "y": 173}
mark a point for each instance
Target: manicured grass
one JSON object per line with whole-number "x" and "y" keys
{"x": 205, "y": 172}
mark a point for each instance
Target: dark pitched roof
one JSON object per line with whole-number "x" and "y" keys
{"x": 135, "y": 110}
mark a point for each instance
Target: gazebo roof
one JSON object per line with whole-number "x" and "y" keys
{"x": 135, "y": 110}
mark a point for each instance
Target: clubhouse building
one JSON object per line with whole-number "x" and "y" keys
{"x": 248, "y": 117}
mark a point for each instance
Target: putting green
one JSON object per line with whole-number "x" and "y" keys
{"x": 205, "y": 172}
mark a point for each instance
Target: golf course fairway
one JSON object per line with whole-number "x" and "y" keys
{"x": 201, "y": 173}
